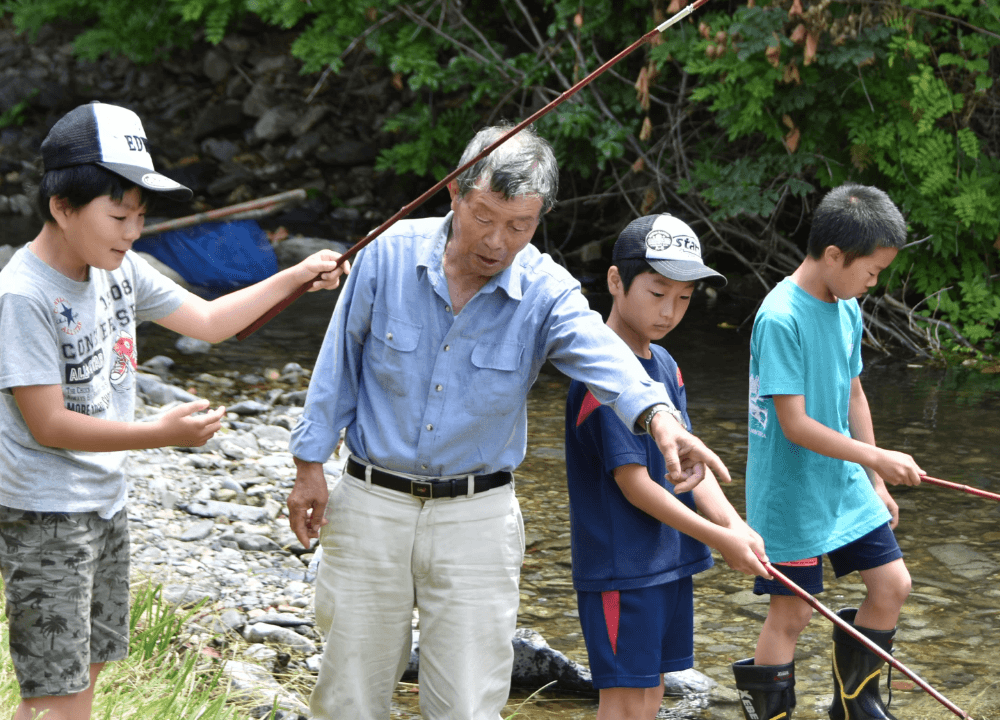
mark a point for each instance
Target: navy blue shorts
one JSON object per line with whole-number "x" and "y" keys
{"x": 877, "y": 548}
{"x": 633, "y": 636}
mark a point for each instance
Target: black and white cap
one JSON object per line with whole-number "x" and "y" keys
{"x": 669, "y": 246}
{"x": 111, "y": 137}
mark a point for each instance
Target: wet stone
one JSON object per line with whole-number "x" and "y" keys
{"x": 198, "y": 531}
{"x": 963, "y": 561}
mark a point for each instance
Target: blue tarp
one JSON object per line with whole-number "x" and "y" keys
{"x": 217, "y": 256}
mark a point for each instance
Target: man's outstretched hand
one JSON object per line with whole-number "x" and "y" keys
{"x": 686, "y": 456}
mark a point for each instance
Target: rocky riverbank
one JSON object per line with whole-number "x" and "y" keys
{"x": 233, "y": 122}
{"x": 209, "y": 525}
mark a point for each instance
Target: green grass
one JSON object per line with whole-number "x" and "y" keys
{"x": 160, "y": 679}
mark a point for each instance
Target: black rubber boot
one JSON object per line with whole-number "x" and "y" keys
{"x": 857, "y": 671}
{"x": 767, "y": 692}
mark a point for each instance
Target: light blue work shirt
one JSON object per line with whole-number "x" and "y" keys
{"x": 426, "y": 392}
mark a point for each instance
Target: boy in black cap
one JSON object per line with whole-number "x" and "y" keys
{"x": 69, "y": 304}
{"x": 636, "y": 542}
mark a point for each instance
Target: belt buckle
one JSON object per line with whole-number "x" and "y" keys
{"x": 421, "y": 489}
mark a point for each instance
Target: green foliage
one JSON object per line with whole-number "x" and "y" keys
{"x": 786, "y": 106}
{"x": 143, "y": 30}
{"x": 15, "y": 116}
{"x": 887, "y": 105}
{"x": 160, "y": 679}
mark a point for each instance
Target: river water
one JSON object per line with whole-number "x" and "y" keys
{"x": 949, "y": 631}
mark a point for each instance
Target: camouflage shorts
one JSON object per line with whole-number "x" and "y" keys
{"x": 66, "y": 581}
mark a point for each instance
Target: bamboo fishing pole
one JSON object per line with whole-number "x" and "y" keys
{"x": 963, "y": 488}
{"x": 407, "y": 209}
{"x": 871, "y": 646}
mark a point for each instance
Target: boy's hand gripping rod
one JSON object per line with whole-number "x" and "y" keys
{"x": 849, "y": 629}
{"x": 407, "y": 209}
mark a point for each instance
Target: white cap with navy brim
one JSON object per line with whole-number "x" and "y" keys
{"x": 669, "y": 246}
{"x": 111, "y": 137}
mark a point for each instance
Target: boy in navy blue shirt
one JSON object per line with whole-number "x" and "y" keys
{"x": 635, "y": 542}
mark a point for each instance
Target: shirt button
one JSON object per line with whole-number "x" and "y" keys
{"x": 439, "y": 388}
{"x": 388, "y": 336}
{"x": 447, "y": 348}
{"x": 429, "y": 426}
{"x": 448, "y": 308}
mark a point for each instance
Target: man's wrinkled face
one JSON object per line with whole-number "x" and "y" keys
{"x": 488, "y": 231}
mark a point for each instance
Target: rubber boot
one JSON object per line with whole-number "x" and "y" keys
{"x": 857, "y": 671}
{"x": 767, "y": 692}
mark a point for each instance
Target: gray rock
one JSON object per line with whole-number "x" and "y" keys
{"x": 215, "y": 65}
{"x": 256, "y": 543}
{"x": 178, "y": 594}
{"x": 281, "y": 619}
{"x": 963, "y": 561}
{"x": 221, "y": 150}
{"x": 296, "y": 398}
{"x": 158, "y": 392}
{"x": 231, "y": 179}
{"x": 253, "y": 683}
{"x": 233, "y": 619}
{"x": 687, "y": 682}
{"x": 275, "y": 634}
{"x": 248, "y": 407}
{"x": 191, "y": 346}
{"x": 274, "y": 123}
{"x": 348, "y": 154}
{"x": 232, "y": 511}
{"x": 308, "y": 119}
{"x": 258, "y": 100}
{"x": 217, "y": 117}
{"x": 198, "y": 531}
{"x": 158, "y": 364}
{"x": 163, "y": 492}
{"x": 304, "y": 146}
{"x": 21, "y": 205}
{"x": 272, "y": 433}
{"x": 536, "y": 664}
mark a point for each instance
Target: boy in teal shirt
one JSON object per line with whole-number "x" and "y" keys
{"x": 815, "y": 479}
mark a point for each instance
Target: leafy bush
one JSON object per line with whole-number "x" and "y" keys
{"x": 836, "y": 92}
{"x": 738, "y": 116}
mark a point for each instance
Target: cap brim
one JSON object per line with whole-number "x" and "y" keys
{"x": 149, "y": 180}
{"x": 688, "y": 271}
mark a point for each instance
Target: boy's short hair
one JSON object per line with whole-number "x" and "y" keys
{"x": 661, "y": 244}
{"x": 80, "y": 184}
{"x": 857, "y": 219}
{"x": 103, "y": 147}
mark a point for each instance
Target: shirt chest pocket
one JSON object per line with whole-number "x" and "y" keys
{"x": 496, "y": 385}
{"x": 391, "y": 348}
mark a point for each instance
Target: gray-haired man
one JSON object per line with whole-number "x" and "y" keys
{"x": 437, "y": 337}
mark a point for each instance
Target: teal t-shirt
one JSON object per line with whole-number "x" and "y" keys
{"x": 802, "y": 503}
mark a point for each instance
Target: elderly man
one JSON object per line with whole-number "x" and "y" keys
{"x": 438, "y": 335}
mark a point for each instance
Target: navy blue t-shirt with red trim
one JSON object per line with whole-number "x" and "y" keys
{"x": 615, "y": 545}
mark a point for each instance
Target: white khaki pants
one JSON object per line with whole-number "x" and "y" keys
{"x": 458, "y": 560}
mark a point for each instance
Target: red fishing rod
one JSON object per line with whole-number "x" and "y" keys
{"x": 964, "y": 488}
{"x": 407, "y": 209}
{"x": 849, "y": 629}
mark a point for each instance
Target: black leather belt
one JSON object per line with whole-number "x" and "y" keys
{"x": 430, "y": 489}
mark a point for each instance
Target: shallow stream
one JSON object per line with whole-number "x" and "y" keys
{"x": 949, "y": 631}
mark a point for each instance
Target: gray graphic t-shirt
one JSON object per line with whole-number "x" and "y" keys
{"x": 81, "y": 336}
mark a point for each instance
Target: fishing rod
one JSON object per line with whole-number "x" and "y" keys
{"x": 407, "y": 209}
{"x": 871, "y": 646}
{"x": 964, "y": 488}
